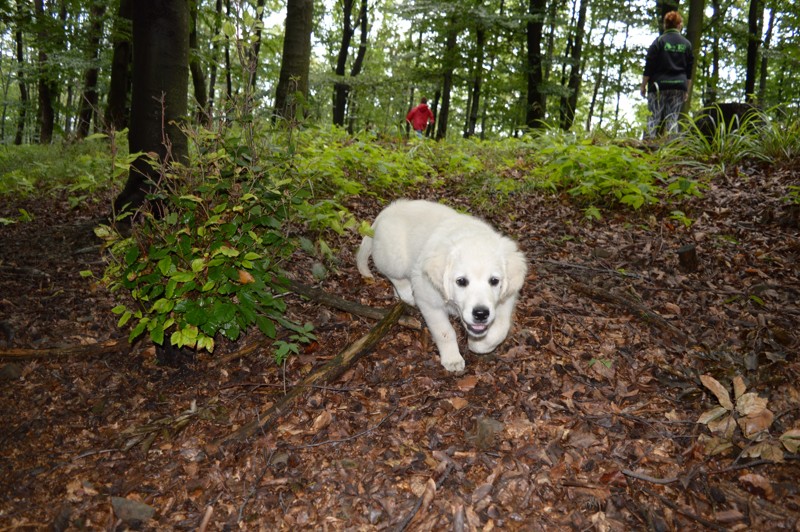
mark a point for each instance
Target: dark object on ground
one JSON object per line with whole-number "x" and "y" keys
{"x": 733, "y": 115}
{"x": 687, "y": 258}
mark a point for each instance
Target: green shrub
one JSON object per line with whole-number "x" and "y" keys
{"x": 210, "y": 265}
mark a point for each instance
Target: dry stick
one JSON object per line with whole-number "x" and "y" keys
{"x": 330, "y": 300}
{"x": 326, "y": 373}
{"x": 705, "y": 522}
{"x": 634, "y": 308}
{"x": 99, "y": 348}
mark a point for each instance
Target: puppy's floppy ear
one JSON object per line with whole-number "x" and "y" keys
{"x": 516, "y": 268}
{"x": 436, "y": 267}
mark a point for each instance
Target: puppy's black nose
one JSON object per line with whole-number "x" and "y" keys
{"x": 480, "y": 314}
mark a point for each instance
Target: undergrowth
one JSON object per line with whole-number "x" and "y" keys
{"x": 255, "y": 195}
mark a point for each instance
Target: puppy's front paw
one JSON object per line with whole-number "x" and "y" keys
{"x": 454, "y": 364}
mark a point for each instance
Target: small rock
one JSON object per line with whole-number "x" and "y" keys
{"x": 131, "y": 512}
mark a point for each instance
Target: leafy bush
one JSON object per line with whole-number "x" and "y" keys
{"x": 211, "y": 264}
{"x": 594, "y": 172}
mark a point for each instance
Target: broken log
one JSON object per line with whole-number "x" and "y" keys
{"x": 632, "y": 307}
{"x": 330, "y": 300}
{"x": 324, "y": 374}
{"x": 100, "y": 348}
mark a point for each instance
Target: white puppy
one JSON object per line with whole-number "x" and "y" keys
{"x": 446, "y": 263}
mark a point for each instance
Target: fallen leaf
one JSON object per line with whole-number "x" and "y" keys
{"x": 739, "y": 387}
{"x": 750, "y": 403}
{"x": 718, "y": 390}
{"x": 791, "y": 440}
{"x": 757, "y": 485}
{"x": 756, "y": 422}
{"x": 321, "y": 421}
{"x": 458, "y": 402}
{"x": 246, "y": 277}
{"x": 467, "y": 383}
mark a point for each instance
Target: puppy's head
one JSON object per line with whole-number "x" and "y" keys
{"x": 475, "y": 276}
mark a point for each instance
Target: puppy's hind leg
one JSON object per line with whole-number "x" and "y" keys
{"x": 402, "y": 288}
{"x": 438, "y": 322}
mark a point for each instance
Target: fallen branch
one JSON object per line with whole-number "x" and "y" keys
{"x": 358, "y": 309}
{"x": 634, "y": 308}
{"x": 326, "y": 373}
{"x": 99, "y": 348}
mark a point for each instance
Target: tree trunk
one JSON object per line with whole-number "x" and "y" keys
{"x": 598, "y": 79}
{"x": 160, "y": 93}
{"x": 570, "y": 102}
{"x": 120, "y": 84}
{"x": 477, "y": 79}
{"x": 296, "y": 58}
{"x": 45, "y": 73}
{"x": 535, "y": 104}
{"x": 447, "y": 82}
{"x": 198, "y": 76}
{"x": 694, "y": 29}
{"x": 754, "y": 16}
{"x": 89, "y": 99}
{"x": 23, "y": 86}
{"x": 358, "y": 63}
{"x": 255, "y": 51}
{"x": 340, "y": 87}
{"x": 762, "y": 78}
{"x": 212, "y": 82}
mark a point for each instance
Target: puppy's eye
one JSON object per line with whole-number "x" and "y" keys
{"x": 462, "y": 282}
{"x": 494, "y": 281}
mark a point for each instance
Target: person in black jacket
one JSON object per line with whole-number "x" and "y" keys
{"x": 667, "y": 76}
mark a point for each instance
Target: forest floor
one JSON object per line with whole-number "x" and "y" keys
{"x": 586, "y": 418}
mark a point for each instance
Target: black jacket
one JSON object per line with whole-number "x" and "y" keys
{"x": 669, "y": 62}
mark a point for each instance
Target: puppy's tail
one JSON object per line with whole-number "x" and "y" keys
{"x": 362, "y": 257}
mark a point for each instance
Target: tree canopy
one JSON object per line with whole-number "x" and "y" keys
{"x": 489, "y": 67}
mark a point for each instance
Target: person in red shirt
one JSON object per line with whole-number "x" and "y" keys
{"x": 420, "y": 116}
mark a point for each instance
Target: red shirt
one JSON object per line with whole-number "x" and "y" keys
{"x": 420, "y": 116}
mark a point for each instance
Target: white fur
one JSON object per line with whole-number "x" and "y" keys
{"x": 446, "y": 263}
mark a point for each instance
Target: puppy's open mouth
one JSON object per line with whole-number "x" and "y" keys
{"x": 477, "y": 329}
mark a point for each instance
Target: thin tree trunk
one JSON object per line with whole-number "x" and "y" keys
{"x": 340, "y": 87}
{"x": 212, "y": 82}
{"x": 694, "y": 29}
{"x": 23, "y": 87}
{"x": 754, "y": 16}
{"x": 447, "y": 81}
{"x": 120, "y": 84}
{"x": 358, "y": 63}
{"x": 198, "y": 76}
{"x": 89, "y": 99}
{"x": 255, "y": 50}
{"x": 296, "y": 58}
{"x": 535, "y": 103}
{"x": 598, "y": 80}
{"x": 570, "y": 102}
{"x": 477, "y": 79}
{"x": 762, "y": 79}
{"x": 45, "y": 73}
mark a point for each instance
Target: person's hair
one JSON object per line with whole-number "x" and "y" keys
{"x": 423, "y": 100}
{"x": 672, "y": 20}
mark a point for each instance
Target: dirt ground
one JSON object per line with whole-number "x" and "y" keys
{"x": 586, "y": 418}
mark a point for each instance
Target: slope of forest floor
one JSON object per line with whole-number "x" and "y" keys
{"x": 585, "y": 418}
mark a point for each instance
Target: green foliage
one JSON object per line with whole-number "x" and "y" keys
{"x": 210, "y": 265}
{"x": 596, "y": 173}
{"x": 80, "y": 170}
